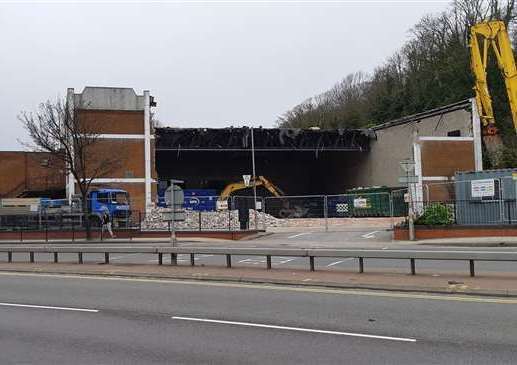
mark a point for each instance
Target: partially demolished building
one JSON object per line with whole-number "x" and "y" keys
{"x": 440, "y": 142}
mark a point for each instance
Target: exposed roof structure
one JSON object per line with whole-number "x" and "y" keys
{"x": 265, "y": 139}
{"x": 463, "y": 104}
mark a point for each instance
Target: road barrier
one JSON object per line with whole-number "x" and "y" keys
{"x": 268, "y": 253}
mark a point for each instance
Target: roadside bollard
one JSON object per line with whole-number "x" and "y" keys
{"x": 311, "y": 262}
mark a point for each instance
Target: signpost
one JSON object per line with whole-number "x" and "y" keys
{"x": 246, "y": 179}
{"x": 174, "y": 199}
{"x": 408, "y": 166}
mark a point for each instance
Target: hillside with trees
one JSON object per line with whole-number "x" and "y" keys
{"x": 432, "y": 69}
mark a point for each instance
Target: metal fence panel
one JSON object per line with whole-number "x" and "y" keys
{"x": 296, "y": 206}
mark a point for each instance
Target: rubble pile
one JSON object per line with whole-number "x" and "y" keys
{"x": 229, "y": 220}
{"x": 209, "y": 221}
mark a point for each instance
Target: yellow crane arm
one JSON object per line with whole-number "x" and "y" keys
{"x": 494, "y": 36}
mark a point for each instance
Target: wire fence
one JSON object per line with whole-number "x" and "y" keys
{"x": 466, "y": 203}
{"x": 477, "y": 202}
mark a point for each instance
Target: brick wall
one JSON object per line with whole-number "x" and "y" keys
{"x": 29, "y": 171}
{"x": 113, "y": 121}
{"x": 129, "y": 152}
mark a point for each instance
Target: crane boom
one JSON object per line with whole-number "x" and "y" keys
{"x": 493, "y": 35}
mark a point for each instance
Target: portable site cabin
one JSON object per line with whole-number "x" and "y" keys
{"x": 486, "y": 197}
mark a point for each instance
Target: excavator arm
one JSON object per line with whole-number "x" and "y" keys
{"x": 259, "y": 181}
{"x": 493, "y": 36}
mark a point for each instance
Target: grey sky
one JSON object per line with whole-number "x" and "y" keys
{"x": 210, "y": 65}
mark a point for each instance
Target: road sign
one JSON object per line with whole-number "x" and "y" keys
{"x": 222, "y": 205}
{"x": 178, "y": 196}
{"x": 514, "y": 175}
{"x": 410, "y": 179}
{"x": 247, "y": 179}
{"x": 178, "y": 216}
{"x": 174, "y": 199}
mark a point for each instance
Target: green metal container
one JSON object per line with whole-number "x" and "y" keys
{"x": 377, "y": 201}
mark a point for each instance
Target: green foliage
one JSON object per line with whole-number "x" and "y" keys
{"x": 431, "y": 70}
{"x": 436, "y": 214}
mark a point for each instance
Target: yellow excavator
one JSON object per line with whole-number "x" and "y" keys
{"x": 286, "y": 210}
{"x": 483, "y": 37}
{"x": 259, "y": 181}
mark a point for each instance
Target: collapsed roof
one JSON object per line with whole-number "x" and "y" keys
{"x": 265, "y": 139}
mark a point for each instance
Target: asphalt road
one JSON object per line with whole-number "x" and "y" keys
{"x": 146, "y": 321}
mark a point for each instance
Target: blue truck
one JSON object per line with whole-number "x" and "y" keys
{"x": 34, "y": 211}
{"x": 114, "y": 201}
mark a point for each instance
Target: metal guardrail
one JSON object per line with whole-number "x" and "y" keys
{"x": 311, "y": 254}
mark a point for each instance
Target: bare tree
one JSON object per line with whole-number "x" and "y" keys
{"x": 57, "y": 128}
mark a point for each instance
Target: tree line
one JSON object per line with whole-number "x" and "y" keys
{"x": 432, "y": 69}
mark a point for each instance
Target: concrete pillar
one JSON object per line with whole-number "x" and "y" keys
{"x": 476, "y": 133}
{"x": 147, "y": 150}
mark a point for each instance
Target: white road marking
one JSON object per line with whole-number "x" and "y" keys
{"x": 299, "y": 329}
{"x": 340, "y": 261}
{"x": 283, "y": 262}
{"x": 123, "y": 256}
{"x": 48, "y": 307}
{"x": 299, "y": 234}
{"x": 370, "y": 235}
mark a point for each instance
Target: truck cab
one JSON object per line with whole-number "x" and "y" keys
{"x": 114, "y": 201}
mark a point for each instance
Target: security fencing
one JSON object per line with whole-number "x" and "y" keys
{"x": 353, "y": 205}
{"x": 478, "y": 202}
{"x": 463, "y": 202}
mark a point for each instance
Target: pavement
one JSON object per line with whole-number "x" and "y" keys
{"x": 492, "y": 283}
{"x": 493, "y": 278}
{"x": 82, "y": 320}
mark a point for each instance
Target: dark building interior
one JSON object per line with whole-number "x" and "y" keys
{"x": 299, "y": 162}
